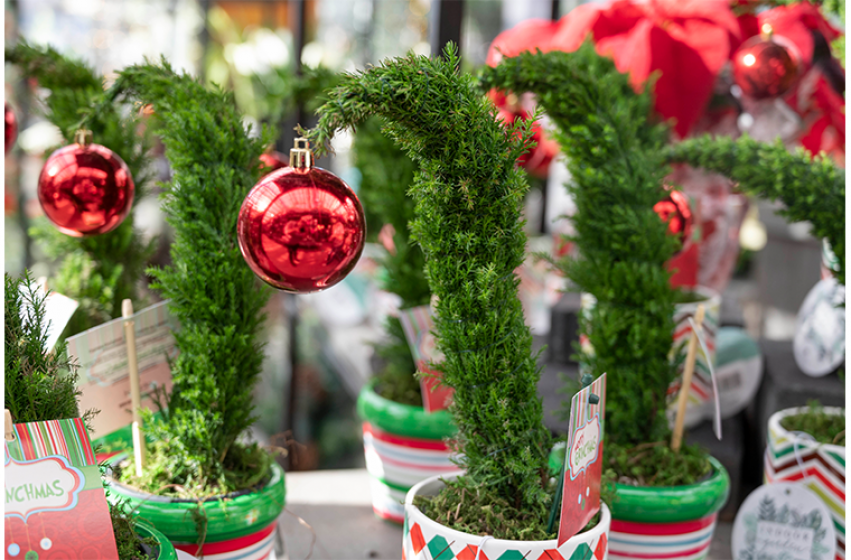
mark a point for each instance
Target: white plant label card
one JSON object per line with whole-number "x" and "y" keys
{"x": 783, "y": 521}
{"x": 819, "y": 343}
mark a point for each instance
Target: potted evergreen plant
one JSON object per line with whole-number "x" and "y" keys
{"x": 468, "y": 195}
{"x": 40, "y": 386}
{"x": 204, "y": 487}
{"x": 403, "y": 444}
{"x": 615, "y": 153}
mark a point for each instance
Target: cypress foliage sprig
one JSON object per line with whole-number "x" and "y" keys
{"x": 212, "y": 292}
{"x": 387, "y": 174}
{"x": 468, "y": 196}
{"x": 100, "y": 271}
{"x": 812, "y": 189}
{"x": 615, "y": 155}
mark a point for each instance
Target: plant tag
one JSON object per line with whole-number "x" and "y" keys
{"x": 716, "y": 397}
{"x": 784, "y": 521}
{"x": 819, "y": 342}
{"x": 418, "y": 324}
{"x": 104, "y": 371}
{"x": 58, "y": 310}
{"x": 583, "y": 460}
{"x": 55, "y": 503}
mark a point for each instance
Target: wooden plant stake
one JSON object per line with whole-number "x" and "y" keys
{"x": 8, "y": 426}
{"x": 135, "y": 391}
{"x": 691, "y": 358}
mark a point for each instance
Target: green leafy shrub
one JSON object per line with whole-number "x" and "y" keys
{"x": 825, "y": 428}
{"x": 468, "y": 195}
{"x": 100, "y": 271}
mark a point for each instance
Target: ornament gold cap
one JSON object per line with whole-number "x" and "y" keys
{"x": 300, "y": 155}
{"x": 766, "y": 31}
{"x": 83, "y": 137}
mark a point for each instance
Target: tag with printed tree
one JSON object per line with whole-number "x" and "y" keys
{"x": 55, "y": 503}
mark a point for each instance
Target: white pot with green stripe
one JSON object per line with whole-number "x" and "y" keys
{"x": 820, "y": 467}
{"x": 403, "y": 445}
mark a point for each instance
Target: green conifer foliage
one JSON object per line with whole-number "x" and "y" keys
{"x": 615, "y": 155}
{"x": 468, "y": 196}
{"x": 213, "y": 293}
{"x": 101, "y": 271}
{"x": 387, "y": 174}
{"x": 812, "y": 189}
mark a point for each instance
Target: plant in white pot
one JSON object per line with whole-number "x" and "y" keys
{"x": 468, "y": 194}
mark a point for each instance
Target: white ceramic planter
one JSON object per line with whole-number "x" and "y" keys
{"x": 424, "y": 539}
{"x": 818, "y": 466}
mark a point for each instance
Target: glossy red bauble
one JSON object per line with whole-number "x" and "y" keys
{"x": 85, "y": 189}
{"x": 273, "y": 161}
{"x": 675, "y": 210}
{"x": 766, "y": 67}
{"x": 301, "y": 229}
{"x": 11, "y": 128}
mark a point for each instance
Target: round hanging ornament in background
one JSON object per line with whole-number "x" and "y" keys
{"x": 85, "y": 189}
{"x": 273, "y": 160}
{"x": 11, "y": 129}
{"x": 675, "y": 210}
{"x": 301, "y": 228}
{"x": 766, "y": 66}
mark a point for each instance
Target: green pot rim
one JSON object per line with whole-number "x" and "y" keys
{"x": 403, "y": 419}
{"x": 671, "y": 504}
{"x": 166, "y": 549}
{"x": 173, "y": 517}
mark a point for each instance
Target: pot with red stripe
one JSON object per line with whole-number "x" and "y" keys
{"x": 403, "y": 445}
{"x": 667, "y": 523}
{"x": 796, "y": 457}
{"x": 241, "y": 525}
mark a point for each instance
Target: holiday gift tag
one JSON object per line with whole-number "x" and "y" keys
{"x": 104, "y": 372}
{"x": 418, "y": 323}
{"x": 55, "y": 503}
{"x": 583, "y": 460}
{"x": 819, "y": 343}
{"x": 783, "y": 521}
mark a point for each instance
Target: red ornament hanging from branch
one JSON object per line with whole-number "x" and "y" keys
{"x": 85, "y": 189}
{"x": 766, "y": 66}
{"x": 301, "y": 228}
{"x": 676, "y": 211}
{"x": 11, "y": 131}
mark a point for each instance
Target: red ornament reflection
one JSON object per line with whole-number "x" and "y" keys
{"x": 11, "y": 131}
{"x": 301, "y": 229}
{"x": 675, "y": 210}
{"x": 766, "y": 67}
{"x": 85, "y": 190}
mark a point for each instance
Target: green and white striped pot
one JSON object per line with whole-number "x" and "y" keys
{"x": 425, "y": 539}
{"x": 818, "y": 466}
{"x": 241, "y": 525}
{"x": 164, "y": 549}
{"x": 403, "y": 445}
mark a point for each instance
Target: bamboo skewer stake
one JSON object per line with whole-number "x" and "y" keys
{"x": 691, "y": 358}
{"x": 135, "y": 391}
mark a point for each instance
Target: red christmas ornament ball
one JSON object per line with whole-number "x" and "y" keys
{"x": 766, "y": 67}
{"x": 675, "y": 210}
{"x": 273, "y": 160}
{"x": 301, "y": 229}
{"x": 11, "y": 128}
{"x": 85, "y": 189}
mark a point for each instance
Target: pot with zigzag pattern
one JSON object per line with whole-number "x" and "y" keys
{"x": 818, "y": 466}
{"x": 403, "y": 444}
{"x": 423, "y": 538}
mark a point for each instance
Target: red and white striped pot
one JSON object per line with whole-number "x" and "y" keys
{"x": 403, "y": 445}
{"x": 667, "y": 523}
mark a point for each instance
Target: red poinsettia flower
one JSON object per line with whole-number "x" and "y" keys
{"x": 686, "y": 41}
{"x": 528, "y": 35}
{"x": 822, "y": 110}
